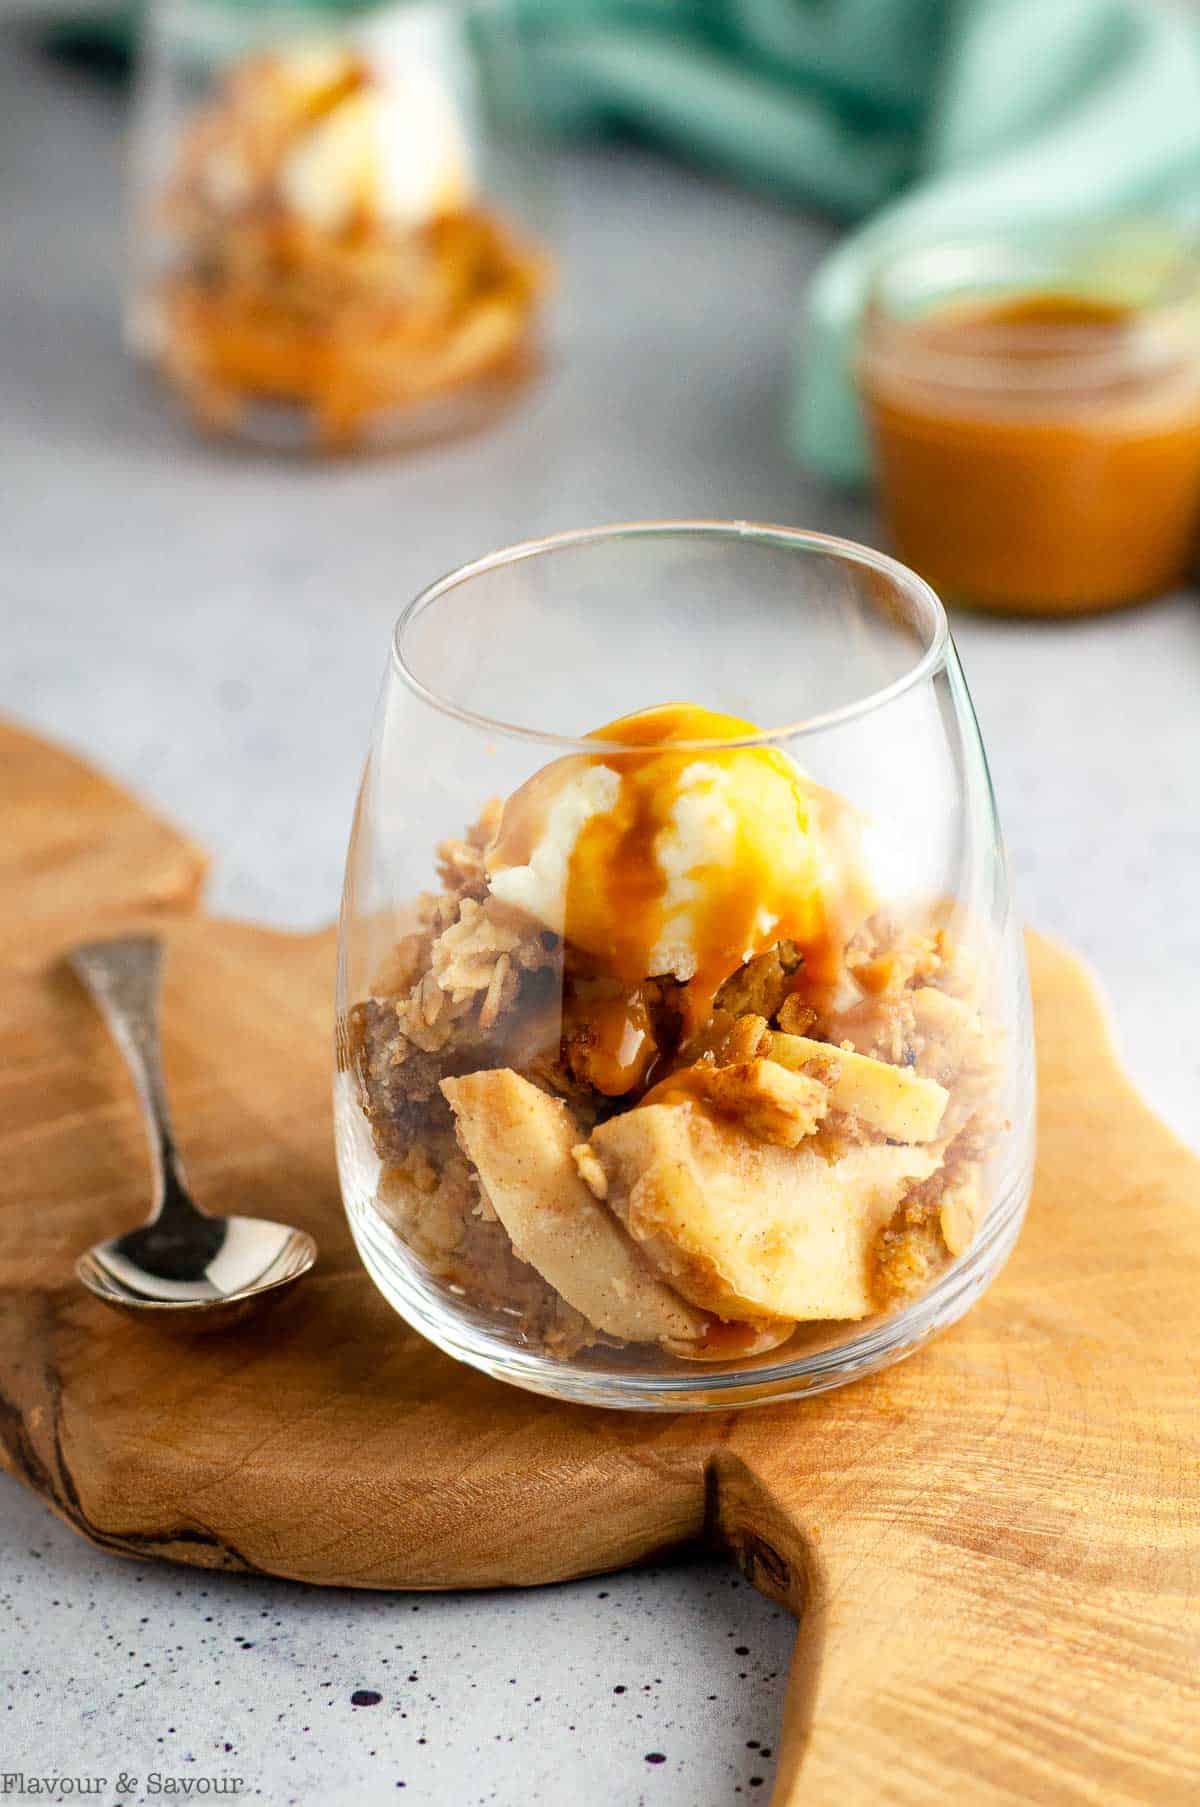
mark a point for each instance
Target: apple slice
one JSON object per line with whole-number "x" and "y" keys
{"x": 897, "y": 1102}
{"x": 520, "y": 1141}
{"x": 748, "y": 1230}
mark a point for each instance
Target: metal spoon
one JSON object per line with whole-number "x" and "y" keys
{"x": 183, "y": 1268}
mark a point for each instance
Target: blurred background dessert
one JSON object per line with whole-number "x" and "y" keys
{"x": 321, "y": 255}
{"x": 338, "y": 240}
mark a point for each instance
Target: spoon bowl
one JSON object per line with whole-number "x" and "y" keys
{"x": 251, "y": 1257}
{"x": 183, "y": 1268}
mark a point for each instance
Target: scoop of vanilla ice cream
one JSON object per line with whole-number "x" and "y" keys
{"x": 664, "y": 863}
{"x": 393, "y": 150}
{"x": 699, "y": 840}
{"x": 539, "y": 884}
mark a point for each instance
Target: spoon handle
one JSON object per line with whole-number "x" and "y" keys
{"x": 123, "y": 979}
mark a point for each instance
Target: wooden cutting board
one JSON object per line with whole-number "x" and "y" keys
{"x": 993, "y": 1550}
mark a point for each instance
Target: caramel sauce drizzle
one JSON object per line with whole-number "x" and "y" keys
{"x": 617, "y": 893}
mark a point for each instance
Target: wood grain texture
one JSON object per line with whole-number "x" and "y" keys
{"x": 993, "y": 1549}
{"x": 75, "y": 842}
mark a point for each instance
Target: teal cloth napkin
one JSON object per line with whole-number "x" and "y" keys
{"x": 820, "y": 100}
{"x": 931, "y": 116}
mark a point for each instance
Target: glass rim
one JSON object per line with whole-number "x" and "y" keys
{"x": 931, "y": 659}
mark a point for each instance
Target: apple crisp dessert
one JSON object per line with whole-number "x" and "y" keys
{"x": 328, "y": 250}
{"x": 654, "y": 1067}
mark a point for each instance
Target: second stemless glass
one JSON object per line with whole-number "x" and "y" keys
{"x": 338, "y": 220}
{"x": 699, "y": 1070}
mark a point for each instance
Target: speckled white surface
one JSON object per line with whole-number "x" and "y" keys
{"x": 657, "y": 1687}
{"x": 212, "y": 629}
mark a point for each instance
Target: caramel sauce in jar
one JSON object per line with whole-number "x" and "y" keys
{"x": 1040, "y": 453}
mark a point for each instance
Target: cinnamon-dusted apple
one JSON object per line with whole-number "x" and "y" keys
{"x": 897, "y": 1102}
{"x": 748, "y": 1229}
{"x": 520, "y": 1141}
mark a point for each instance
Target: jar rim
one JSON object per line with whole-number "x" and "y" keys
{"x": 1146, "y": 270}
{"x": 930, "y": 619}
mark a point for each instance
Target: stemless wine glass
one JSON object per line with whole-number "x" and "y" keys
{"x": 683, "y": 1041}
{"x": 338, "y": 219}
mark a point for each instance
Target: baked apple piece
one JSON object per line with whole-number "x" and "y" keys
{"x": 749, "y": 1229}
{"x": 520, "y": 1141}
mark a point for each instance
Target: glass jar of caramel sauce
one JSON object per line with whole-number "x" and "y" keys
{"x": 1035, "y": 411}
